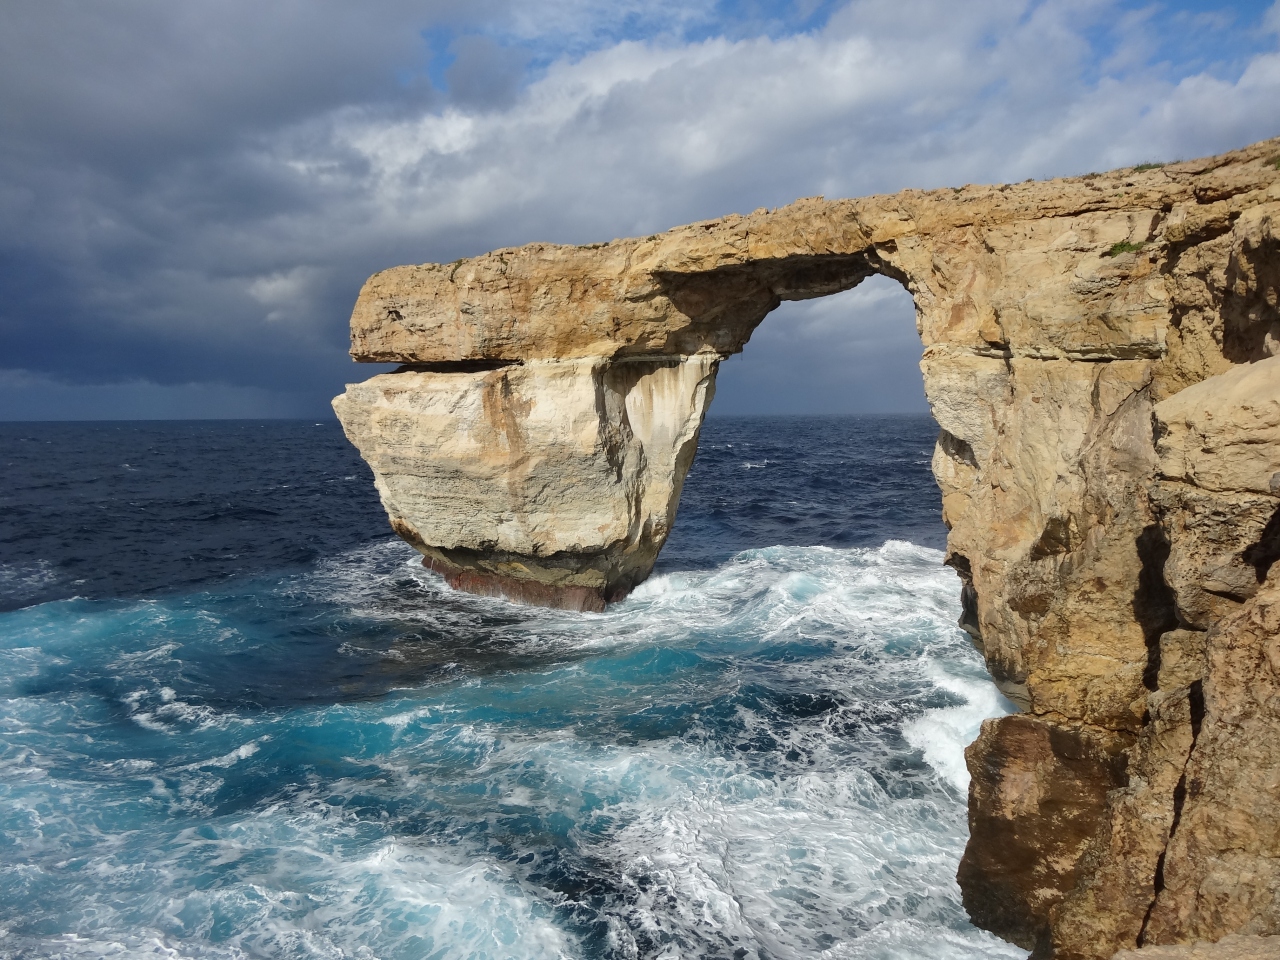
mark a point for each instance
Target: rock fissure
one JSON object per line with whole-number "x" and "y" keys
{"x": 456, "y": 366}
{"x": 1102, "y": 356}
{"x": 1195, "y": 700}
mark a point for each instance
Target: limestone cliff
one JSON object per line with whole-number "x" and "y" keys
{"x": 1096, "y": 354}
{"x": 1234, "y": 947}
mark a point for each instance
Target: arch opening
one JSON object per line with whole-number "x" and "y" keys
{"x": 854, "y": 352}
{"x": 819, "y": 434}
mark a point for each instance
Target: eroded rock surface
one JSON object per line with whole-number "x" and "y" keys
{"x": 550, "y": 482}
{"x": 1233, "y": 947}
{"x": 1098, "y": 352}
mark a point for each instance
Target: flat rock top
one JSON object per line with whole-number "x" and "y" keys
{"x": 1234, "y": 947}
{"x": 654, "y": 295}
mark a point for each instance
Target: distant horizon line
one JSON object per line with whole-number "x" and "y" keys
{"x": 334, "y": 420}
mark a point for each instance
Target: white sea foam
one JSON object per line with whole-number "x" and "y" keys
{"x": 20, "y": 580}
{"x": 400, "y": 721}
{"x": 776, "y": 802}
{"x": 942, "y": 734}
{"x": 242, "y": 752}
{"x": 161, "y": 711}
{"x": 714, "y": 853}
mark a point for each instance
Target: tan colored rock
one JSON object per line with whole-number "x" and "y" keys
{"x": 536, "y": 445}
{"x": 558, "y": 479}
{"x": 1184, "y": 659}
{"x": 1035, "y": 798}
{"x": 1222, "y": 864}
{"x": 1208, "y": 533}
{"x": 1170, "y": 865}
{"x": 1219, "y": 449}
{"x": 1111, "y": 900}
{"x": 1223, "y": 435}
{"x": 1233, "y": 947}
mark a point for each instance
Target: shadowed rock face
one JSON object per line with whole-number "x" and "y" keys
{"x": 1098, "y": 354}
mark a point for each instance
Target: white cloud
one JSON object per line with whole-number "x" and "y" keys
{"x": 639, "y": 136}
{"x": 856, "y": 351}
{"x": 258, "y": 236}
{"x": 288, "y": 294}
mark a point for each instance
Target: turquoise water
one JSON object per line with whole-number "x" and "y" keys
{"x": 756, "y": 756}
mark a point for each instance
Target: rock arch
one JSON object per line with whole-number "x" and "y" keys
{"x": 536, "y": 437}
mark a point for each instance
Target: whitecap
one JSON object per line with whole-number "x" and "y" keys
{"x": 778, "y": 802}
{"x": 943, "y": 733}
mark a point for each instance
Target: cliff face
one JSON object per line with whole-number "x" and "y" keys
{"x": 1098, "y": 353}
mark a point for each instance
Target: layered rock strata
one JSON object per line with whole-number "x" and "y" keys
{"x": 1096, "y": 352}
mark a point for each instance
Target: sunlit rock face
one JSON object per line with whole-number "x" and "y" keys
{"x": 1097, "y": 353}
{"x": 553, "y": 481}
{"x": 1234, "y": 947}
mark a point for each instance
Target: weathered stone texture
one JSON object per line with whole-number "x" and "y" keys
{"x": 1222, "y": 864}
{"x": 1035, "y": 799}
{"x": 1234, "y": 947}
{"x": 1191, "y": 845}
{"x": 556, "y": 481}
{"x": 1100, "y": 355}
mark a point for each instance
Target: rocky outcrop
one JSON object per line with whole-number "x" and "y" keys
{"x": 1229, "y": 948}
{"x": 1096, "y": 352}
{"x": 1191, "y": 845}
{"x": 553, "y": 482}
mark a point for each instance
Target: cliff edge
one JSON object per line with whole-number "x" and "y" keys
{"x": 1101, "y": 355}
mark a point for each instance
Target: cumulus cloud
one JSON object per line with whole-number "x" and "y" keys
{"x": 193, "y": 193}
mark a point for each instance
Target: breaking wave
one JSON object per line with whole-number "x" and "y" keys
{"x": 761, "y": 759}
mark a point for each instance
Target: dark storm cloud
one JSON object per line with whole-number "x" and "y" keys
{"x": 138, "y": 83}
{"x": 192, "y": 193}
{"x": 139, "y": 185}
{"x": 854, "y": 352}
{"x": 484, "y": 74}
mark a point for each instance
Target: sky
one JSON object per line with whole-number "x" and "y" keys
{"x": 192, "y": 193}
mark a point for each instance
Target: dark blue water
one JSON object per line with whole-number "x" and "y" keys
{"x": 141, "y": 508}
{"x": 238, "y": 718}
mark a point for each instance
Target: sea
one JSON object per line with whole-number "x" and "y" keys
{"x": 239, "y": 719}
